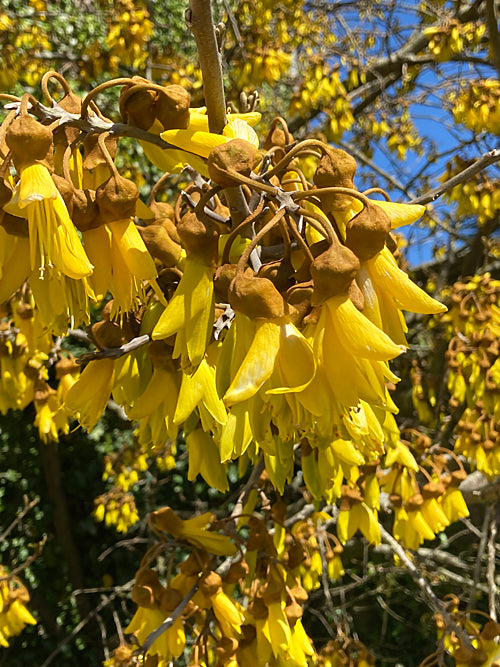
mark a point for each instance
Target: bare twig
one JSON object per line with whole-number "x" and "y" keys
{"x": 170, "y": 620}
{"x": 490, "y": 572}
{"x": 27, "y": 507}
{"x": 476, "y": 576}
{"x": 31, "y": 559}
{"x": 116, "y": 352}
{"x": 481, "y": 163}
{"x": 245, "y": 492}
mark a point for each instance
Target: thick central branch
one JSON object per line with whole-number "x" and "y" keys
{"x": 199, "y": 19}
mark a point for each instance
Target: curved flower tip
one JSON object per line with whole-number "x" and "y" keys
{"x": 400, "y": 214}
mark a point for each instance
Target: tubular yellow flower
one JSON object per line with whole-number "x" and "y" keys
{"x": 52, "y": 235}
{"x": 88, "y": 397}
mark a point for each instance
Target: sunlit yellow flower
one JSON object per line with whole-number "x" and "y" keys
{"x": 88, "y": 397}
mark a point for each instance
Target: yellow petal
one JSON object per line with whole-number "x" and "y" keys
{"x": 400, "y": 214}
{"x": 358, "y": 334}
{"x": 385, "y": 271}
{"x": 295, "y": 361}
{"x": 258, "y": 364}
{"x": 192, "y": 141}
{"x": 132, "y": 248}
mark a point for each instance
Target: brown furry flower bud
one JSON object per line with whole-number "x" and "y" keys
{"x": 28, "y": 140}
{"x": 172, "y": 107}
{"x": 85, "y": 213}
{"x": 257, "y": 298}
{"x": 138, "y": 108}
{"x": 234, "y": 157}
{"x": 108, "y": 334}
{"x": 200, "y": 238}
{"x": 160, "y": 245}
{"x": 222, "y": 280}
{"x": 333, "y": 272}
{"x": 278, "y": 272}
{"x": 367, "y": 231}
{"x": 116, "y": 198}
{"x": 335, "y": 169}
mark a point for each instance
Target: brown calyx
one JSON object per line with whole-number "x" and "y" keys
{"x": 138, "y": 109}
{"x": 257, "y": 298}
{"x": 66, "y": 365}
{"x": 222, "y": 280}
{"x": 279, "y": 272}
{"x": 200, "y": 238}
{"x": 172, "y": 107}
{"x": 228, "y": 160}
{"x": 236, "y": 572}
{"x": 108, "y": 334}
{"x": 85, "y": 213}
{"x": 160, "y": 245}
{"x": 116, "y": 198}
{"x": 210, "y": 584}
{"x": 432, "y": 490}
{"x": 333, "y": 272}
{"x": 14, "y": 225}
{"x": 28, "y": 140}
{"x": 93, "y": 155}
{"x": 335, "y": 169}
{"x": 366, "y": 233}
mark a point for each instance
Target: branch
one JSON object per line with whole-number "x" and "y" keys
{"x": 481, "y": 163}
{"x": 170, "y": 620}
{"x": 492, "y": 23}
{"x": 116, "y": 352}
{"x": 424, "y": 585}
{"x": 200, "y": 22}
{"x": 28, "y": 506}
{"x": 490, "y": 572}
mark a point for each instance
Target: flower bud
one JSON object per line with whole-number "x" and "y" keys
{"x": 116, "y": 198}
{"x": 28, "y": 140}
{"x": 333, "y": 272}
{"x": 367, "y": 231}
{"x": 236, "y": 156}
{"x": 257, "y": 298}
{"x": 172, "y": 107}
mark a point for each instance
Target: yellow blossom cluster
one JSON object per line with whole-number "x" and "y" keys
{"x": 476, "y": 105}
{"x": 14, "y": 616}
{"x": 478, "y": 197}
{"x": 116, "y": 508}
{"x": 469, "y": 643}
{"x": 129, "y": 33}
{"x": 345, "y": 652}
{"x": 474, "y": 371}
{"x": 453, "y": 37}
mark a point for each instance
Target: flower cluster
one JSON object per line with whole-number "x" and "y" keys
{"x": 14, "y": 616}
{"x": 476, "y": 106}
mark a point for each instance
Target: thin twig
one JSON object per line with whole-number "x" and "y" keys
{"x": 245, "y": 492}
{"x": 490, "y": 572}
{"x": 29, "y": 506}
{"x": 481, "y": 163}
{"x": 479, "y": 557}
{"x": 116, "y": 352}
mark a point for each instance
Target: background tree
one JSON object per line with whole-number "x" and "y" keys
{"x": 411, "y": 92}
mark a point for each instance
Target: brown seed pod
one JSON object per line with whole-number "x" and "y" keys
{"x": 28, "y": 140}
{"x": 116, "y": 198}
{"x": 333, "y": 272}
{"x": 228, "y": 160}
{"x": 257, "y": 298}
{"x": 366, "y": 233}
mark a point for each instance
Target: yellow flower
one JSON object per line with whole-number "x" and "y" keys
{"x": 53, "y": 237}
{"x": 88, "y": 397}
{"x": 193, "y": 530}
